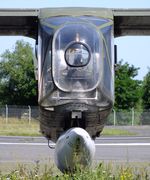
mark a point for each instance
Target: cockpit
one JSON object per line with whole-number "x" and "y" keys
{"x": 77, "y": 63}
{"x": 75, "y": 57}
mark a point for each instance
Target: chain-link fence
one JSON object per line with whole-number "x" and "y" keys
{"x": 9, "y": 113}
{"x": 130, "y": 118}
{"x": 117, "y": 117}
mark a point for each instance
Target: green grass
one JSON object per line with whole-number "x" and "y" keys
{"x": 116, "y": 132}
{"x": 19, "y": 128}
{"x": 23, "y": 128}
{"x": 100, "y": 172}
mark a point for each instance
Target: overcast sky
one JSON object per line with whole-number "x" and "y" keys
{"x": 134, "y": 50}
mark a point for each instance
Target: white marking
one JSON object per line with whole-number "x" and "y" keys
{"x": 100, "y": 144}
{"x": 123, "y": 144}
{"x": 124, "y": 138}
{"x": 26, "y": 144}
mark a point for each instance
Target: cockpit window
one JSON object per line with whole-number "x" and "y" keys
{"x": 77, "y": 55}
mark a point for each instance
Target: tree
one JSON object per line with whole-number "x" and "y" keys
{"x": 145, "y": 116}
{"x": 146, "y": 91}
{"x": 17, "y": 81}
{"x": 127, "y": 89}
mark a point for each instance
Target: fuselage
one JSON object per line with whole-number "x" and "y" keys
{"x": 75, "y": 71}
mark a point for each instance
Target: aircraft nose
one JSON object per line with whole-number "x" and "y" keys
{"x": 74, "y": 147}
{"x": 79, "y": 135}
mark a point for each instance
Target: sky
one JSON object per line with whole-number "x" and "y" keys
{"x": 134, "y": 49}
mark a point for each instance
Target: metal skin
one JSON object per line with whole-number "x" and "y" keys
{"x": 73, "y": 95}
{"x": 75, "y": 147}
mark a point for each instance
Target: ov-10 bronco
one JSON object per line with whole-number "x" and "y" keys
{"x": 75, "y": 70}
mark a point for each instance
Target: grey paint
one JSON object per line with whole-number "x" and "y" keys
{"x": 25, "y": 21}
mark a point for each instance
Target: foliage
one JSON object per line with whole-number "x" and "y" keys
{"x": 146, "y": 99}
{"x": 101, "y": 171}
{"x": 127, "y": 89}
{"x": 146, "y": 91}
{"x": 17, "y": 81}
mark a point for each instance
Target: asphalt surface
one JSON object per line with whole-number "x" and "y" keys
{"x": 114, "y": 149}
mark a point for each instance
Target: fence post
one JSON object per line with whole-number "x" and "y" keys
{"x": 6, "y": 113}
{"x": 114, "y": 117}
{"x": 132, "y": 116}
{"x": 29, "y": 114}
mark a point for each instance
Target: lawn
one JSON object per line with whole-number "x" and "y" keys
{"x": 107, "y": 131}
{"x": 24, "y": 128}
{"x": 19, "y": 128}
{"x": 101, "y": 171}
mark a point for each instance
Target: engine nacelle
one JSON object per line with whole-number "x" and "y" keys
{"x": 74, "y": 147}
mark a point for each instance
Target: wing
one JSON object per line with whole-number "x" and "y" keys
{"x": 25, "y": 22}
{"x": 19, "y": 22}
{"x": 131, "y": 22}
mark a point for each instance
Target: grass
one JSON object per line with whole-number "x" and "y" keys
{"x": 116, "y": 132}
{"x": 100, "y": 172}
{"x": 23, "y": 128}
{"x": 19, "y": 128}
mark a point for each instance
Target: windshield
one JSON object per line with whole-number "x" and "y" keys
{"x": 76, "y": 57}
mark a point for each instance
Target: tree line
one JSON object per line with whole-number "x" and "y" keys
{"x": 17, "y": 80}
{"x": 18, "y": 85}
{"x": 130, "y": 92}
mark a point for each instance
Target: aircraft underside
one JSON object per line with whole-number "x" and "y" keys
{"x": 54, "y": 122}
